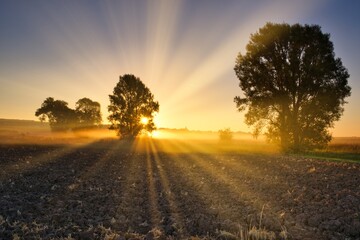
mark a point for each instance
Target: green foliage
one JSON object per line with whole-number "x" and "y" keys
{"x": 294, "y": 86}
{"x": 130, "y": 102}
{"x": 226, "y": 134}
{"x": 63, "y": 118}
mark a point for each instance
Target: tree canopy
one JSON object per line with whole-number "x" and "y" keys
{"x": 59, "y": 115}
{"x": 132, "y": 107}
{"x": 63, "y": 118}
{"x": 88, "y": 112}
{"x": 294, "y": 87}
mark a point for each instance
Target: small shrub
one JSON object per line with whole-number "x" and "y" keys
{"x": 225, "y": 134}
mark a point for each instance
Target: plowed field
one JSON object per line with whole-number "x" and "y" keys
{"x": 159, "y": 189}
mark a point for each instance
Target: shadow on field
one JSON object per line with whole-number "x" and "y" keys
{"x": 90, "y": 191}
{"x": 171, "y": 189}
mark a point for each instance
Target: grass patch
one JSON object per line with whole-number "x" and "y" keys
{"x": 334, "y": 156}
{"x": 340, "y": 149}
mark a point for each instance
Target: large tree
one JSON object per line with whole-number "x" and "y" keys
{"x": 59, "y": 115}
{"x": 132, "y": 107}
{"x": 294, "y": 87}
{"x": 88, "y": 112}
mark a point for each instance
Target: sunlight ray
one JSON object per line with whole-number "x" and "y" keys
{"x": 175, "y": 212}
{"x": 217, "y": 63}
{"x": 101, "y": 162}
{"x": 218, "y": 199}
{"x": 46, "y": 158}
{"x": 162, "y": 18}
{"x": 155, "y": 213}
{"x": 222, "y": 159}
{"x": 244, "y": 192}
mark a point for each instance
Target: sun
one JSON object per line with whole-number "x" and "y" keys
{"x": 144, "y": 120}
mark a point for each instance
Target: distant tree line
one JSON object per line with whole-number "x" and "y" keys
{"x": 132, "y": 108}
{"x": 62, "y": 118}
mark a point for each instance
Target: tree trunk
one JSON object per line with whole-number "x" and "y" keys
{"x": 282, "y": 130}
{"x": 296, "y": 129}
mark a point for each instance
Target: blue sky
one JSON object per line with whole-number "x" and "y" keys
{"x": 184, "y": 51}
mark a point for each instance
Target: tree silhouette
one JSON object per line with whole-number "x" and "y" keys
{"x": 59, "y": 115}
{"x": 294, "y": 86}
{"x": 62, "y": 118}
{"x": 225, "y": 135}
{"x": 88, "y": 113}
{"x": 131, "y": 104}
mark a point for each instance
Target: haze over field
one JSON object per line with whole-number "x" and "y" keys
{"x": 183, "y": 50}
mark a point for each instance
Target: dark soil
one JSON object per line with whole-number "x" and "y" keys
{"x": 105, "y": 190}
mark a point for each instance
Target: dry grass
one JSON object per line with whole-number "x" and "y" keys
{"x": 253, "y": 232}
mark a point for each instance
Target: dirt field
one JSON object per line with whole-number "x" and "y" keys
{"x": 162, "y": 189}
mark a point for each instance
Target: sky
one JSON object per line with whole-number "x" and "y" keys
{"x": 184, "y": 51}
